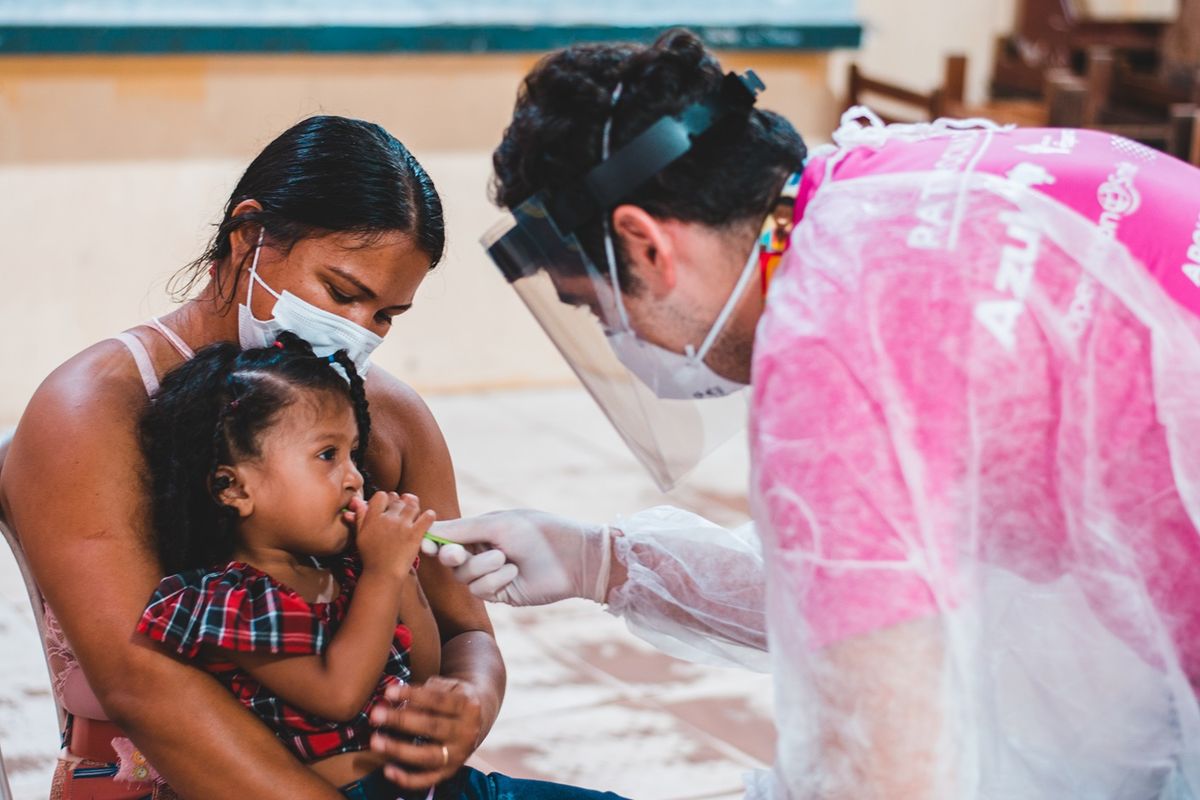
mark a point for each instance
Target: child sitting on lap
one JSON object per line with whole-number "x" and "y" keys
{"x": 258, "y": 485}
{"x": 290, "y": 583}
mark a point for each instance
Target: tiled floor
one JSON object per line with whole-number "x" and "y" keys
{"x": 587, "y": 703}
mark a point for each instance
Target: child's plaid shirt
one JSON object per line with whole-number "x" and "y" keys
{"x": 243, "y": 609}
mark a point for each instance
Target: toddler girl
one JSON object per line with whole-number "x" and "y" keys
{"x": 289, "y": 581}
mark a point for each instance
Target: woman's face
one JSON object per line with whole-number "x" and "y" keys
{"x": 368, "y": 279}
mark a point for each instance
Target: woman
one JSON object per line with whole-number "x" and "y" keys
{"x": 972, "y": 423}
{"x": 345, "y": 224}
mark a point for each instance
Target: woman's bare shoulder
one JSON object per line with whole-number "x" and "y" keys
{"x": 92, "y": 399}
{"x": 79, "y": 428}
{"x": 99, "y": 382}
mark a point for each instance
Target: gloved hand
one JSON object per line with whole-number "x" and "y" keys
{"x": 526, "y": 557}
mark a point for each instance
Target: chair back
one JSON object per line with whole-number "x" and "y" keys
{"x": 946, "y": 100}
{"x": 5, "y": 439}
{"x": 5, "y": 792}
{"x": 36, "y": 601}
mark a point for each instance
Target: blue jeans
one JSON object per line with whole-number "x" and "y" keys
{"x": 471, "y": 784}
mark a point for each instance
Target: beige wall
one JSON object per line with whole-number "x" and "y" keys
{"x": 112, "y": 170}
{"x": 908, "y": 41}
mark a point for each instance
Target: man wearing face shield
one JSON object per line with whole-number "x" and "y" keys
{"x": 972, "y": 423}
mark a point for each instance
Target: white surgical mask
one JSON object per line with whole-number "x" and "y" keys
{"x": 325, "y": 331}
{"x": 671, "y": 375}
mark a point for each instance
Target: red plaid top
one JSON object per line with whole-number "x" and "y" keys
{"x": 243, "y": 609}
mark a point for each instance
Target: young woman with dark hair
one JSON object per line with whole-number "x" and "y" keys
{"x": 329, "y": 233}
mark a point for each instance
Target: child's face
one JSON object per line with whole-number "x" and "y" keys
{"x": 296, "y": 490}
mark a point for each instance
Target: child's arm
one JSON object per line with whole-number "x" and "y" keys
{"x": 336, "y": 684}
{"x": 425, "y": 656}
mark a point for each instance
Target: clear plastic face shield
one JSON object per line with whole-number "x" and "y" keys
{"x": 670, "y": 409}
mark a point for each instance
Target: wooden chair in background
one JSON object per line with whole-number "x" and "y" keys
{"x": 913, "y": 106}
{"x": 1112, "y": 96}
{"x": 947, "y": 100}
{"x": 1054, "y": 34}
{"x": 1059, "y": 68}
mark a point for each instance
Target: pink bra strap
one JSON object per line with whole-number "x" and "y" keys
{"x": 142, "y": 359}
{"x": 173, "y": 338}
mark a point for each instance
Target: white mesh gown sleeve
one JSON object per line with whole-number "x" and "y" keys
{"x": 695, "y": 590}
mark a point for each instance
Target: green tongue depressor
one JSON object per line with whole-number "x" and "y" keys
{"x": 435, "y": 539}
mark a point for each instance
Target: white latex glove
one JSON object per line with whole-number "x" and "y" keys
{"x": 526, "y": 557}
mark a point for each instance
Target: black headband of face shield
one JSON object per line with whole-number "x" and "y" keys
{"x": 640, "y": 159}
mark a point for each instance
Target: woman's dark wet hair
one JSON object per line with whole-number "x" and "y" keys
{"x": 554, "y": 138}
{"x": 324, "y": 175}
{"x": 211, "y": 411}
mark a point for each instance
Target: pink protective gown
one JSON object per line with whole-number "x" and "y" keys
{"x": 975, "y": 438}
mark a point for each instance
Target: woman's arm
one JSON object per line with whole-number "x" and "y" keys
{"x": 423, "y": 662}
{"x": 73, "y": 486}
{"x": 459, "y": 708}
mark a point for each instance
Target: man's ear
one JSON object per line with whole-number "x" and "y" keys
{"x": 648, "y": 248}
{"x": 229, "y": 489}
